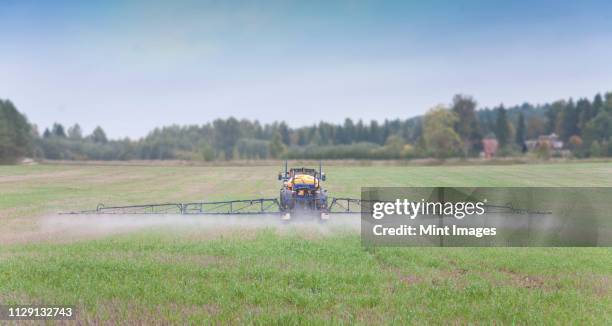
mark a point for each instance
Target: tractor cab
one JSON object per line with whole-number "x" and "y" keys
{"x": 301, "y": 172}
{"x": 302, "y": 190}
{"x": 303, "y": 179}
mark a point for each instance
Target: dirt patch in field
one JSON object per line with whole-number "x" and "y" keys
{"x": 459, "y": 277}
{"x": 603, "y": 285}
{"x": 16, "y": 298}
{"x": 524, "y": 281}
{"x": 456, "y": 276}
{"x": 597, "y": 284}
{"x": 114, "y": 312}
{"x": 410, "y": 279}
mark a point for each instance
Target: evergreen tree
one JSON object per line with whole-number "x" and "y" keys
{"x": 98, "y": 135}
{"x": 467, "y": 126}
{"x": 375, "y": 134}
{"x": 607, "y": 105}
{"x": 502, "y": 127}
{"x": 597, "y": 104}
{"x": 552, "y": 117}
{"x": 568, "y": 121}
{"x": 284, "y": 132}
{"x": 584, "y": 112}
{"x": 349, "y": 131}
{"x": 520, "y": 130}
{"x": 58, "y": 130}
{"x": 75, "y": 132}
{"x": 15, "y": 133}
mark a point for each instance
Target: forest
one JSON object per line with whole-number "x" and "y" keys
{"x": 454, "y": 130}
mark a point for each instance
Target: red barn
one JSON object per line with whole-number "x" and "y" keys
{"x": 490, "y": 147}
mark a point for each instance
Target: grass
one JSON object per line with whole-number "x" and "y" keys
{"x": 264, "y": 277}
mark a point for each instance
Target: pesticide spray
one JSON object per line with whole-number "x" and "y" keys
{"x": 75, "y": 225}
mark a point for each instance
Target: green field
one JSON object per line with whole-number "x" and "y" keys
{"x": 269, "y": 277}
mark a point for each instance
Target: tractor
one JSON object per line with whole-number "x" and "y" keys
{"x": 302, "y": 192}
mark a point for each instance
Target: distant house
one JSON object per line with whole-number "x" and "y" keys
{"x": 552, "y": 141}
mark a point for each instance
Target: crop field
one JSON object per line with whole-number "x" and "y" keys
{"x": 185, "y": 271}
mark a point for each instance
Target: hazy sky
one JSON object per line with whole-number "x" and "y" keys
{"x": 132, "y": 66}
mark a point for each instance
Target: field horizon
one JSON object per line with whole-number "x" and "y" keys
{"x": 510, "y": 160}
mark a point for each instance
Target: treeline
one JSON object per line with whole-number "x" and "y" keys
{"x": 456, "y": 130}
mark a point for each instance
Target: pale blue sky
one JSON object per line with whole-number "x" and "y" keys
{"x": 132, "y": 66}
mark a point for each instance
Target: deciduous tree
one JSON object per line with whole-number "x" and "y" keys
{"x": 439, "y": 135}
